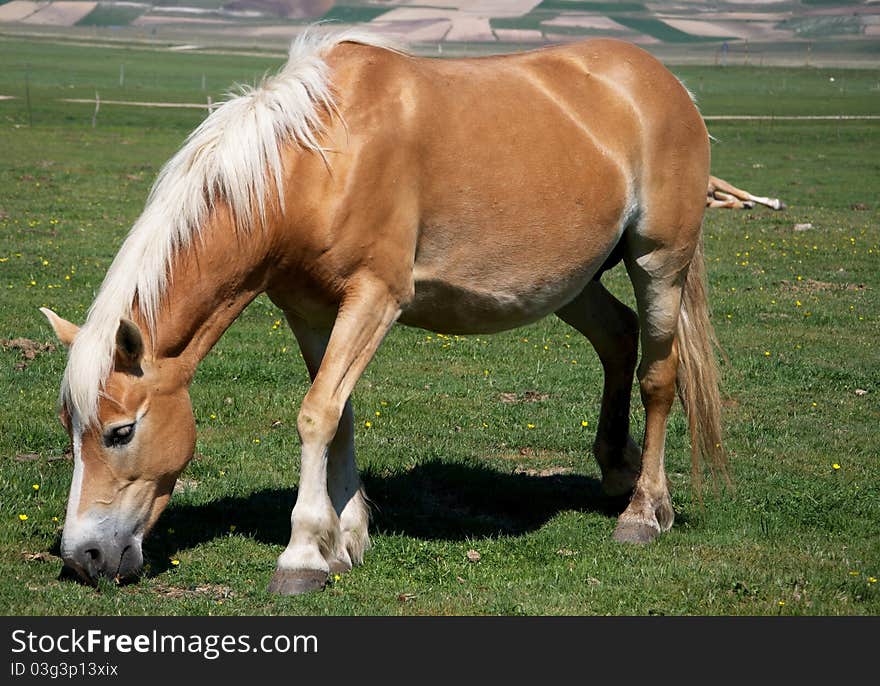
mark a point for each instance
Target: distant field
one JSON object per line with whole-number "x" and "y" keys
{"x": 111, "y": 15}
{"x": 781, "y": 33}
{"x": 201, "y": 4}
{"x": 353, "y": 15}
{"x": 660, "y": 30}
{"x": 479, "y": 443}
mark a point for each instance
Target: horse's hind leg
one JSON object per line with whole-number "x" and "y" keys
{"x": 343, "y": 482}
{"x": 368, "y": 311}
{"x": 657, "y": 273}
{"x": 613, "y": 330}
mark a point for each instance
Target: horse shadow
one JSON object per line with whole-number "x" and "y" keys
{"x": 432, "y": 501}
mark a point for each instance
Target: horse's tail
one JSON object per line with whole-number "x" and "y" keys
{"x": 698, "y": 375}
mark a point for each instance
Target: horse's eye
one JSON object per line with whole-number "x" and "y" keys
{"x": 119, "y": 435}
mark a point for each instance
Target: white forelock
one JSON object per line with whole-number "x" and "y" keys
{"x": 233, "y": 156}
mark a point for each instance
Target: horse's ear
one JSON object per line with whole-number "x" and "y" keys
{"x": 129, "y": 347}
{"x": 65, "y": 330}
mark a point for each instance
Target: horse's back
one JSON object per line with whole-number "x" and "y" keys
{"x": 577, "y": 125}
{"x": 599, "y": 81}
{"x": 509, "y": 179}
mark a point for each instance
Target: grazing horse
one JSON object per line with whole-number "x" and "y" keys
{"x": 361, "y": 186}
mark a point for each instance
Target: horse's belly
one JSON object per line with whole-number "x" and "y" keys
{"x": 490, "y": 302}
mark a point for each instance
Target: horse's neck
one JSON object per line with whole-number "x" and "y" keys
{"x": 209, "y": 285}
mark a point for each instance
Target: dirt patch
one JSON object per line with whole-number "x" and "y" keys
{"x": 474, "y": 29}
{"x": 29, "y": 349}
{"x": 184, "y": 485}
{"x": 60, "y": 13}
{"x": 19, "y": 9}
{"x": 524, "y": 397}
{"x": 550, "y": 471}
{"x": 519, "y": 453}
{"x": 35, "y": 457}
{"x": 41, "y": 556}
{"x": 413, "y": 30}
{"x": 213, "y": 591}
{"x": 813, "y": 286}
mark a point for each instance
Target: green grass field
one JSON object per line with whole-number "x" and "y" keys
{"x": 474, "y": 443}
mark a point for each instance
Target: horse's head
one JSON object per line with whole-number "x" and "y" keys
{"x": 126, "y": 460}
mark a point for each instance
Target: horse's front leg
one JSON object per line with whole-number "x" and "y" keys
{"x": 343, "y": 482}
{"x": 368, "y": 311}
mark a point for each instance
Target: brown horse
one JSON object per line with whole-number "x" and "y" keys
{"x": 362, "y": 186}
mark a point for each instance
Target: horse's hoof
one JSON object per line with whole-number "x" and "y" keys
{"x": 297, "y": 581}
{"x": 338, "y": 566}
{"x": 635, "y": 532}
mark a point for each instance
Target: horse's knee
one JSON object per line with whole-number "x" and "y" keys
{"x": 318, "y": 421}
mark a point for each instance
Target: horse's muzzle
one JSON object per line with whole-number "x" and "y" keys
{"x": 116, "y": 560}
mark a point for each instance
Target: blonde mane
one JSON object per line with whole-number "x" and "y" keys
{"x": 235, "y": 156}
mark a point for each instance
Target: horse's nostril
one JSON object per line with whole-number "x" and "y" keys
{"x": 87, "y": 561}
{"x": 113, "y": 559}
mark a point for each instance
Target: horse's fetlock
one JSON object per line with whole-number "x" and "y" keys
{"x": 303, "y": 557}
